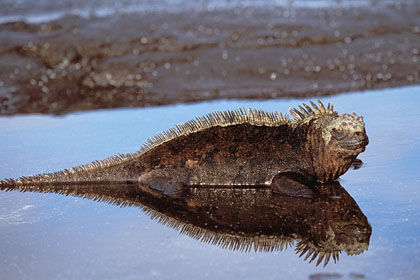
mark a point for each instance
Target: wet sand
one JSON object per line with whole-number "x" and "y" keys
{"x": 159, "y": 58}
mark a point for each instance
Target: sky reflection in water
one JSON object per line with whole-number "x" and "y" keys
{"x": 52, "y": 236}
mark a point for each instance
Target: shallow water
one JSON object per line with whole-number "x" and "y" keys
{"x": 57, "y": 237}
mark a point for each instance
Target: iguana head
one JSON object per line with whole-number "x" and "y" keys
{"x": 343, "y": 139}
{"x": 345, "y": 133}
{"x": 334, "y": 140}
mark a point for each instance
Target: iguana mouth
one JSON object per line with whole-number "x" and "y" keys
{"x": 354, "y": 144}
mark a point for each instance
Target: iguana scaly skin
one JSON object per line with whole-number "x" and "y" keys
{"x": 232, "y": 148}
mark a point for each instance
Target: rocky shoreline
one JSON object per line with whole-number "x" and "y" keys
{"x": 161, "y": 58}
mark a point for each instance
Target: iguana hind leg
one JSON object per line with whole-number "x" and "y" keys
{"x": 165, "y": 181}
{"x": 293, "y": 184}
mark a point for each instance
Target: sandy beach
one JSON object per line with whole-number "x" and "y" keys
{"x": 157, "y": 58}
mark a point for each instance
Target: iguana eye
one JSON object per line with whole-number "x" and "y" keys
{"x": 337, "y": 134}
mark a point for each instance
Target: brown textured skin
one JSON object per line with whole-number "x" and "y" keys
{"x": 235, "y": 149}
{"x": 234, "y": 155}
{"x": 241, "y": 154}
{"x": 330, "y": 160}
{"x": 248, "y": 155}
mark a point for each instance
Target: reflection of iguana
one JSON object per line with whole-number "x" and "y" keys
{"x": 257, "y": 219}
{"x": 233, "y": 148}
{"x": 245, "y": 219}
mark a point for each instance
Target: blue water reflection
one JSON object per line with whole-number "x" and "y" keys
{"x": 56, "y": 237}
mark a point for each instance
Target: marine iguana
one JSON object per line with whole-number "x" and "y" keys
{"x": 232, "y": 148}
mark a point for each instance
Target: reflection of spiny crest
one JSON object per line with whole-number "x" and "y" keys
{"x": 261, "y": 243}
{"x": 311, "y": 250}
{"x": 234, "y": 242}
{"x": 88, "y": 190}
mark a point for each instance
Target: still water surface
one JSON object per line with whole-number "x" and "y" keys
{"x": 48, "y": 236}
